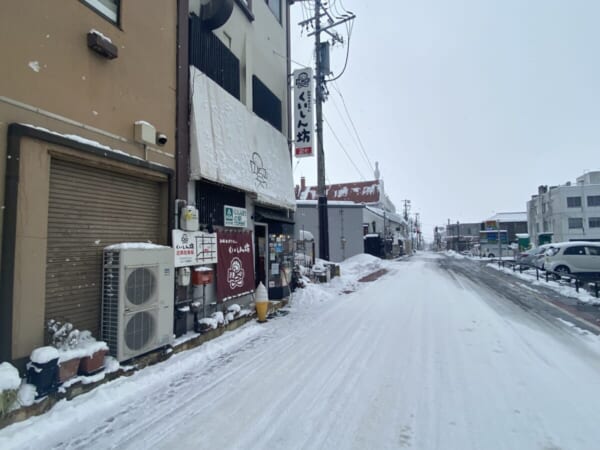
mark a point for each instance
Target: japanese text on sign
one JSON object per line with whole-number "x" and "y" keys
{"x": 194, "y": 248}
{"x": 303, "y": 112}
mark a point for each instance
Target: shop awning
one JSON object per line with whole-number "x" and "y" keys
{"x": 233, "y": 146}
{"x": 261, "y": 216}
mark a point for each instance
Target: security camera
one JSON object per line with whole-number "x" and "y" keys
{"x": 161, "y": 138}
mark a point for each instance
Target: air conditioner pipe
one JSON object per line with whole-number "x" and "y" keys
{"x": 179, "y": 203}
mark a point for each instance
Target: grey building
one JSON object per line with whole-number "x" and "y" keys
{"x": 345, "y": 226}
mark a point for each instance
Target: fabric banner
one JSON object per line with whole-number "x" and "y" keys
{"x": 233, "y": 146}
{"x": 235, "y": 267}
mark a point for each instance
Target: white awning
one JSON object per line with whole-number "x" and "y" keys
{"x": 232, "y": 146}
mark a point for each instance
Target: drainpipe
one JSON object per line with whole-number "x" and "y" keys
{"x": 182, "y": 134}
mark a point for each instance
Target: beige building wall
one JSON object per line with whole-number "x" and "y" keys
{"x": 51, "y": 79}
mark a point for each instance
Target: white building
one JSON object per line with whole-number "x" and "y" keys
{"x": 569, "y": 212}
{"x": 239, "y": 129}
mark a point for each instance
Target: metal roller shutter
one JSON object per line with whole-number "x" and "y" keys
{"x": 90, "y": 208}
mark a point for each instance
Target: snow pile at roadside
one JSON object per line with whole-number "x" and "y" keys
{"x": 351, "y": 270}
{"x": 104, "y": 400}
{"x": 453, "y": 254}
{"x": 582, "y": 296}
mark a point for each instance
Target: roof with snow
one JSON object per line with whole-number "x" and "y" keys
{"x": 387, "y": 215}
{"x": 359, "y": 192}
{"x": 510, "y": 217}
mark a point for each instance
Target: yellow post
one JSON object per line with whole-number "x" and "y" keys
{"x": 261, "y": 300}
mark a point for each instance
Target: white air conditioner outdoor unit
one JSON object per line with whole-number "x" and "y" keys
{"x": 137, "y": 298}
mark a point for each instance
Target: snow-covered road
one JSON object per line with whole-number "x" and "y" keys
{"x": 422, "y": 358}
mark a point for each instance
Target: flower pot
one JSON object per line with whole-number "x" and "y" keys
{"x": 92, "y": 364}
{"x": 68, "y": 369}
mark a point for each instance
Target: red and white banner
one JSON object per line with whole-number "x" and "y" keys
{"x": 235, "y": 267}
{"x": 303, "y": 113}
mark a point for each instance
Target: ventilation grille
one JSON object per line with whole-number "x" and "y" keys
{"x": 110, "y": 300}
{"x": 140, "y": 330}
{"x": 140, "y": 286}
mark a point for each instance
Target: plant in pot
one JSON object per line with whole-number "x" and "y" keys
{"x": 65, "y": 338}
{"x": 9, "y": 385}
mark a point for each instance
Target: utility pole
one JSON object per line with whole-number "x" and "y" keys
{"x": 418, "y": 231}
{"x": 322, "y": 195}
{"x": 457, "y": 236}
{"x": 406, "y": 209}
{"x": 322, "y": 50}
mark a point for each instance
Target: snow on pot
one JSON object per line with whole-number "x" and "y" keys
{"x": 42, "y": 370}
{"x": 206, "y": 324}
{"x": 234, "y": 309}
{"x": 9, "y": 385}
{"x": 261, "y": 301}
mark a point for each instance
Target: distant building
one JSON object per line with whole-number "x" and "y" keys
{"x": 345, "y": 227}
{"x": 461, "y": 236}
{"x": 355, "y": 209}
{"x": 568, "y": 212}
{"x": 513, "y": 222}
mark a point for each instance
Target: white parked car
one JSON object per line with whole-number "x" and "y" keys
{"x": 573, "y": 257}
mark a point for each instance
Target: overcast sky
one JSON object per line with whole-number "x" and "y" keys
{"x": 468, "y": 105}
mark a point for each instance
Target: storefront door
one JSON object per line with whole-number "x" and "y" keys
{"x": 260, "y": 253}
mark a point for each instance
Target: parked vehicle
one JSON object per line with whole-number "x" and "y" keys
{"x": 532, "y": 257}
{"x": 573, "y": 257}
{"x": 488, "y": 244}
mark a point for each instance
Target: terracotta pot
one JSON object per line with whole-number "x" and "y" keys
{"x": 92, "y": 364}
{"x": 68, "y": 369}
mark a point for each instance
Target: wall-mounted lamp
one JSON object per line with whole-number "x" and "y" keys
{"x": 102, "y": 45}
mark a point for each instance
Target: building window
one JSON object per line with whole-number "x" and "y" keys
{"x": 573, "y": 202}
{"x": 108, "y": 9}
{"x": 211, "y": 200}
{"x": 213, "y": 58}
{"x": 265, "y": 104}
{"x": 594, "y": 222}
{"x": 575, "y": 223}
{"x": 593, "y": 200}
{"x": 275, "y": 7}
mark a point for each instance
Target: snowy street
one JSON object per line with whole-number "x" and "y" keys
{"x": 422, "y": 358}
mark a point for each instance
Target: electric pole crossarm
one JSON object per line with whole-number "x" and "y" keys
{"x": 335, "y": 37}
{"x": 312, "y": 33}
{"x": 307, "y": 21}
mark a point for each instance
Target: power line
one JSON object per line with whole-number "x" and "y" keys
{"x": 349, "y": 130}
{"x": 344, "y": 149}
{"x": 349, "y": 28}
{"x": 353, "y": 125}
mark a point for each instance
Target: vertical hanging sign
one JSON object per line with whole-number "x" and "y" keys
{"x": 303, "y": 112}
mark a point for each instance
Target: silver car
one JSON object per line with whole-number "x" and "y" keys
{"x": 533, "y": 257}
{"x": 573, "y": 257}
